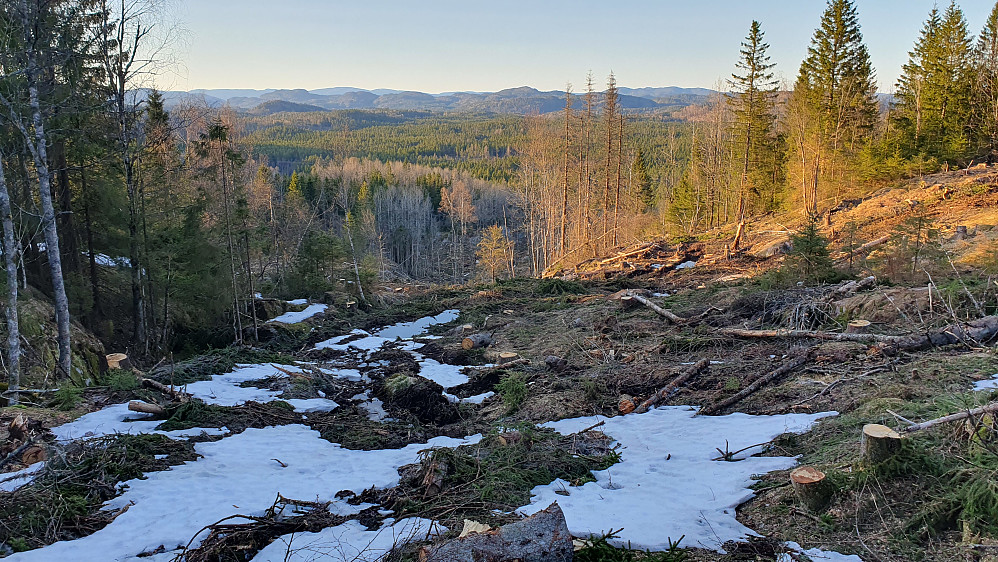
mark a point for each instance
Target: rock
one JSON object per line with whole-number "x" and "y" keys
{"x": 555, "y": 363}
{"x": 542, "y": 537}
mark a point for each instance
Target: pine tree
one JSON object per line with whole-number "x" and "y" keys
{"x": 752, "y": 101}
{"x": 935, "y": 90}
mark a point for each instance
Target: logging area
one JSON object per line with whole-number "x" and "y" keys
{"x": 667, "y": 402}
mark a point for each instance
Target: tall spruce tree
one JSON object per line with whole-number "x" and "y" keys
{"x": 935, "y": 91}
{"x": 752, "y": 98}
{"x": 986, "y": 85}
{"x": 834, "y": 98}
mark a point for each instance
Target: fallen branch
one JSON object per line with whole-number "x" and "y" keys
{"x": 977, "y": 331}
{"x": 862, "y": 249}
{"x": 668, "y": 315}
{"x": 16, "y": 453}
{"x": 170, "y": 391}
{"x": 986, "y": 409}
{"x": 759, "y": 383}
{"x": 814, "y": 334}
{"x": 668, "y": 390}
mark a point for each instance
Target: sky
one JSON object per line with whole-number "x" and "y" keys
{"x": 475, "y": 45}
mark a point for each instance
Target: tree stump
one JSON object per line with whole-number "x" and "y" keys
{"x": 811, "y": 488}
{"x": 351, "y": 305}
{"x": 857, "y": 326}
{"x": 878, "y": 443}
{"x": 119, "y": 361}
{"x": 475, "y": 341}
{"x": 961, "y": 233}
{"x": 626, "y": 404}
{"x": 628, "y": 302}
{"x": 555, "y": 363}
{"x": 501, "y": 357}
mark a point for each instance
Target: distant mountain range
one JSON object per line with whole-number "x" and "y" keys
{"x": 523, "y": 100}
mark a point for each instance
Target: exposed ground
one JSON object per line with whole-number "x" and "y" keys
{"x": 936, "y": 501}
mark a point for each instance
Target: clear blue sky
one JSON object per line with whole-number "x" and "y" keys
{"x": 447, "y": 45}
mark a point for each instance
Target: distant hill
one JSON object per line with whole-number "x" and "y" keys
{"x": 522, "y": 100}
{"x": 281, "y": 106}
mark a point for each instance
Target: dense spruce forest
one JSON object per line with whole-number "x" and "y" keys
{"x": 155, "y": 225}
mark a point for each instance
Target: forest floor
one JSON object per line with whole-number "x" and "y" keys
{"x": 365, "y": 429}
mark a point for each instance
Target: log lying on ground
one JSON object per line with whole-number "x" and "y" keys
{"x": 811, "y": 487}
{"x": 852, "y": 287}
{"x": 975, "y": 332}
{"x": 864, "y": 248}
{"x": 878, "y": 443}
{"x": 783, "y": 369}
{"x": 168, "y": 390}
{"x": 668, "y": 390}
{"x": 986, "y": 409}
{"x": 815, "y": 334}
{"x": 668, "y": 315}
{"x": 475, "y": 341}
{"x": 146, "y": 408}
{"x": 542, "y": 537}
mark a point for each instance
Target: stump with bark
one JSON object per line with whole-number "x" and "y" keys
{"x": 878, "y": 443}
{"x": 119, "y": 361}
{"x": 857, "y": 326}
{"x": 811, "y": 487}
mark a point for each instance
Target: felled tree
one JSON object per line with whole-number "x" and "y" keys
{"x": 495, "y": 252}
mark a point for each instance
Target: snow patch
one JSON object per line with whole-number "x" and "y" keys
{"x": 119, "y": 419}
{"x": 687, "y": 265}
{"x": 298, "y": 301}
{"x": 348, "y": 542}
{"x": 236, "y": 475}
{"x": 667, "y": 453}
{"x": 817, "y": 555}
{"x": 989, "y": 384}
{"x": 10, "y": 481}
{"x": 296, "y": 317}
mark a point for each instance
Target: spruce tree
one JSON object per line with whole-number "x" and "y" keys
{"x": 935, "y": 90}
{"x": 752, "y": 101}
{"x": 641, "y": 182}
{"x": 838, "y": 72}
{"x": 985, "y": 119}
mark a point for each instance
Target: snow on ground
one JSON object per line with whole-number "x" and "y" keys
{"x": 224, "y": 389}
{"x": 119, "y": 419}
{"x": 989, "y": 384}
{"x": 237, "y": 474}
{"x": 298, "y": 301}
{"x": 817, "y": 555}
{"x": 687, "y": 265}
{"x": 349, "y": 542}
{"x": 667, "y": 484}
{"x": 296, "y": 317}
{"x": 476, "y": 399}
{"x": 10, "y": 481}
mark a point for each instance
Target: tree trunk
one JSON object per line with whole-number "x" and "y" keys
{"x": 40, "y": 155}
{"x": 10, "y": 258}
{"x": 668, "y": 390}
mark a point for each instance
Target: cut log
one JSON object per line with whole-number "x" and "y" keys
{"x": 119, "y": 361}
{"x": 783, "y": 369}
{"x": 542, "y": 537}
{"x": 864, "y": 248}
{"x": 626, "y": 404}
{"x": 975, "y": 332}
{"x": 475, "y": 341}
{"x": 146, "y": 408}
{"x": 33, "y": 454}
{"x": 878, "y": 443}
{"x": 986, "y": 409}
{"x": 668, "y": 390}
{"x": 811, "y": 488}
{"x": 857, "y": 326}
{"x": 668, "y": 315}
{"x": 555, "y": 363}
